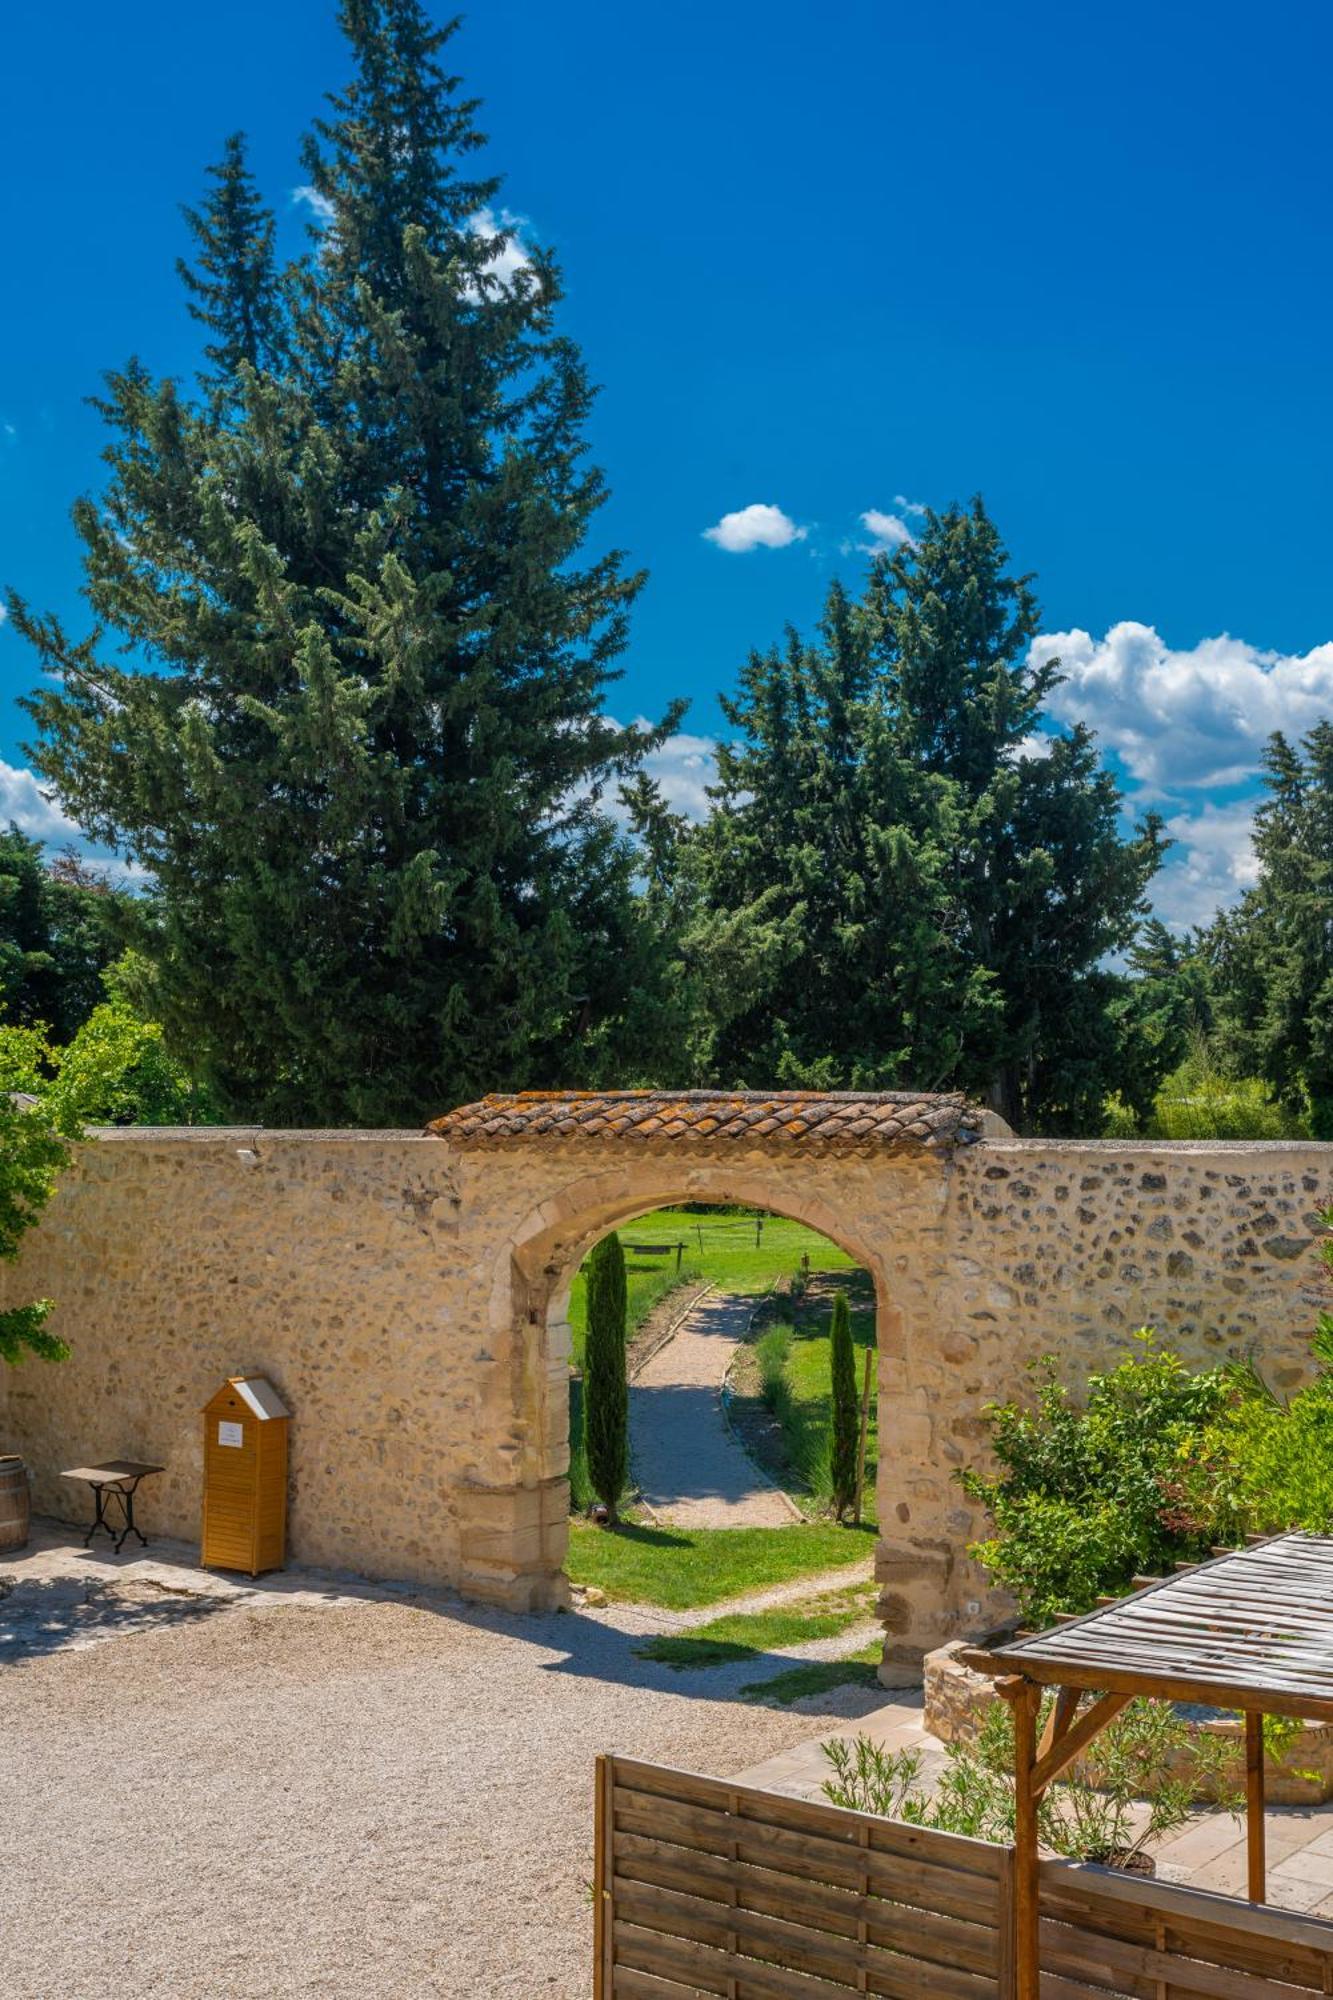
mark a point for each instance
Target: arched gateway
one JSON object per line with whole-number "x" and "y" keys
{"x": 868, "y": 1170}
{"x": 405, "y": 1292}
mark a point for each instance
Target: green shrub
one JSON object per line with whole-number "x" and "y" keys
{"x": 1088, "y": 1494}
{"x": 771, "y": 1351}
{"x": 1198, "y": 1100}
{"x": 974, "y": 1794}
{"x": 1277, "y": 1457}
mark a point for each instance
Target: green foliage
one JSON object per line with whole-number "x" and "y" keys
{"x": 605, "y": 1389}
{"x": 1200, "y": 1099}
{"x": 117, "y": 1071}
{"x": 1273, "y": 966}
{"x": 60, "y": 925}
{"x": 846, "y": 1423}
{"x": 1085, "y": 1815}
{"x": 33, "y": 1149}
{"x": 343, "y": 695}
{"x": 1278, "y": 1457}
{"x": 891, "y": 887}
{"x": 1087, "y": 1494}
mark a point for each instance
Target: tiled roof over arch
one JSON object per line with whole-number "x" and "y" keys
{"x": 835, "y": 1121}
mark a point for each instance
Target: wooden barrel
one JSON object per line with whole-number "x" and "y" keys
{"x": 14, "y": 1503}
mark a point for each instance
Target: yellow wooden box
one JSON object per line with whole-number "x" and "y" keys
{"x": 245, "y": 1477}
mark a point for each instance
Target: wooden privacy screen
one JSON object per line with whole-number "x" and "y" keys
{"x": 1103, "y": 1933}
{"x": 708, "y": 1888}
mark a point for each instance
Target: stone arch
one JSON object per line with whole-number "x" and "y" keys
{"x": 610, "y": 1157}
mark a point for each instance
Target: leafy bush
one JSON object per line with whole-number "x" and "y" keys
{"x": 1089, "y": 1494}
{"x": 974, "y": 1794}
{"x": 1276, "y": 1457}
{"x": 1198, "y": 1100}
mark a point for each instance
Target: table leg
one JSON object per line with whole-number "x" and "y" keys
{"x": 127, "y": 1509}
{"x": 99, "y": 1517}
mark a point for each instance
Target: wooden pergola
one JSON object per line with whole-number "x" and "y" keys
{"x": 1250, "y": 1630}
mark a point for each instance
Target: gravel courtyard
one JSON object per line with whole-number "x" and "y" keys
{"x": 312, "y": 1789}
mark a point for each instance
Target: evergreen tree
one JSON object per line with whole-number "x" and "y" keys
{"x": 60, "y": 928}
{"x": 903, "y": 883}
{"x": 605, "y": 1384}
{"x": 817, "y": 913}
{"x": 344, "y": 696}
{"x": 846, "y": 1415}
{"x": 1274, "y": 952}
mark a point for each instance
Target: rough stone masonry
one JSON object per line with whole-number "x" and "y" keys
{"x": 407, "y": 1294}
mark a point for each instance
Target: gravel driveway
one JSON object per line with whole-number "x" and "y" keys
{"x": 364, "y": 1796}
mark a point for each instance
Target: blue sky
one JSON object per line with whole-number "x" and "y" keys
{"x": 824, "y": 261}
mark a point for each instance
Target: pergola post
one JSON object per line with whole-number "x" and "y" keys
{"x": 1024, "y": 1705}
{"x": 1257, "y": 1883}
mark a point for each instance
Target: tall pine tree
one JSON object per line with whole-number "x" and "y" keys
{"x": 344, "y": 696}
{"x": 1273, "y": 954}
{"x": 903, "y": 881}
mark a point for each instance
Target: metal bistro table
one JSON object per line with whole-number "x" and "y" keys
{"x": 116, "y": 1480}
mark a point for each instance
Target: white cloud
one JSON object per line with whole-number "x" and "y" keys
{"x": 906, "y": 506}
{"x": 887, "y": 532}
{"x": 1181, "y": 718}
{"x": 755, "y": 527}
{"x": 22, "y": 801}
{"x": 321, "y": 208}
{"x": 503, "y": 230}
{"x": 1212, "y": 863}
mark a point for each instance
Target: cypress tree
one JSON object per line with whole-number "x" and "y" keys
{"x": 605, "y": 1386}
{"x": 846, "y": 1419}
{"x": 344, "y": 693}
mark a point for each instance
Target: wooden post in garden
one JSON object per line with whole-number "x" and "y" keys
{"x": 1024, "y": 1701}
{"x": 862, "y": 1439}
{"x": 1257, "y": 1870}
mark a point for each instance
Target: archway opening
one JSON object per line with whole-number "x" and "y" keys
{"x": 752, "y": 1454}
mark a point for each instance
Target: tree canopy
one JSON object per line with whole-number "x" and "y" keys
{"x": 1274, "y": 952}
{"x": 344, "y": 697}
{"x": 61, "y": 926}
{"x": 904, "y": 880}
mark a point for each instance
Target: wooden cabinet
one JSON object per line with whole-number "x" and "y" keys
{"x": 245, "y": 1477}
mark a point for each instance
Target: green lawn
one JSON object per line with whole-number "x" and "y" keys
{"x": 719, "y": 1247}
{"x": 680, "y": 1568}
{"x": 818, "y": 1676}
{"x": 746, "y": 1635}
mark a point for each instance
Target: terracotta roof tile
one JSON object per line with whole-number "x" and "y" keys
{"x": 836, "y": 1120}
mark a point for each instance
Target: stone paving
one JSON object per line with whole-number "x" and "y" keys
{"x": 690, "y": 1468}
{"x": 1209, "y": 1853}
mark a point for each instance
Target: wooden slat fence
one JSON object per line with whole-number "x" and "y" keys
{"x": 1104, "y": 1933}
{"x": 704, "y": 1888}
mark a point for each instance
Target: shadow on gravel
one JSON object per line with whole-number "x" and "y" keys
{"x": 46, "y": 1614}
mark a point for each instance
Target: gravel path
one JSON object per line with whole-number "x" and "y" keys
{"x": 690, "y": 1469}
{"x": 314, "y": 1792}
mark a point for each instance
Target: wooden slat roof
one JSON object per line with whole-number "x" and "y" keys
{"x": 1252, "y": 1629}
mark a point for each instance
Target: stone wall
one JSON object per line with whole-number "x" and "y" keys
{"x": 407, "y": 1298}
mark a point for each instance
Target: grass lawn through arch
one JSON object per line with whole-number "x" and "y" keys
{"x": 682, "y": 1568}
